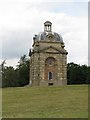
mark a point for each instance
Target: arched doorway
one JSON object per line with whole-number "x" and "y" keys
{"x": 50, "y": 69}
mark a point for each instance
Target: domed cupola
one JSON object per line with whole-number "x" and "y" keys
{"x": 47, "y": 34}
{"x": 47, "y": 26}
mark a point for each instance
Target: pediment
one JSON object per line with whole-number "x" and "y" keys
{"x": 50, "y": 49}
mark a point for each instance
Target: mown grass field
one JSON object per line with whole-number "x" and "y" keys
{"x": 46, "y": 102}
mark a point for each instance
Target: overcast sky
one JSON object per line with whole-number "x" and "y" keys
{"x": 21, "y": 19}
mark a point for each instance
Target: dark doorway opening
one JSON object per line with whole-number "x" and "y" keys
{"x": 50, "y": 75}
{"x": 50, "y": 84}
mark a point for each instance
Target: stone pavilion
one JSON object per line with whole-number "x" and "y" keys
{"x": 48, "y": 59}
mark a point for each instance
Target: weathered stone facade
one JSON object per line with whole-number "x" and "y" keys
{"x": 48, "y": 59}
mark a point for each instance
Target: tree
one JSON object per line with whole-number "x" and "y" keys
{"x": 2, "y": 67}
{"x": 88, "y": 75}
{"x": 9, "y": 77}
{"x": 23, "y": 71}
{"x": 76, "y": 74}
{"x": 15, "y": 77}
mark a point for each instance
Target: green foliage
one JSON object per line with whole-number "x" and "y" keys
{"x": 23, "y": 73}
{"x": 77, "y": 74}
{"x": 16, "y": 77}
{"x": 9, "y": 77}
{"x": 88, "y": 75}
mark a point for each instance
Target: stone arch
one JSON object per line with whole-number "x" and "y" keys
{"x": 50, "y": 69}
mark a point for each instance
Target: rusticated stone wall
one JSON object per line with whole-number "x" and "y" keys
{"x": 39, "y": 70}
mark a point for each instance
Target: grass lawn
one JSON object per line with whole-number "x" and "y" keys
{"x": 69, "y": 101}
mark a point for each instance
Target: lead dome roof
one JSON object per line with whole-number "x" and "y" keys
{"x": 47, "y": 33}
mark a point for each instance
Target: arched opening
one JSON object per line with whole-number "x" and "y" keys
{"x": 50, "y": 69}
{"x": 50, "y": 75}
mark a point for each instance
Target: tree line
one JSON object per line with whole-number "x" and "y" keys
{"x": 78, "y": 74}
{"x": 19, "y": 76}
{"x": 16, "y": 77}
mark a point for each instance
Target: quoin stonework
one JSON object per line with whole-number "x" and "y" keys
{"x": 48, "y": 59}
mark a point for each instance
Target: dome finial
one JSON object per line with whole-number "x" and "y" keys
{"x": 48, "y": 26}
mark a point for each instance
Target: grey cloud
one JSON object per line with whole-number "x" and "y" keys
{"x": 16, "y": 43}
